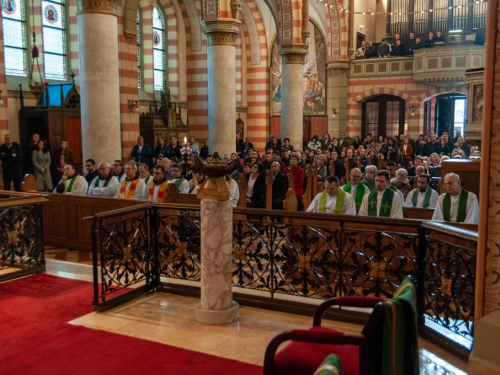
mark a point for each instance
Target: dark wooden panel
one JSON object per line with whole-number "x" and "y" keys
{"x": 468, "y": 170}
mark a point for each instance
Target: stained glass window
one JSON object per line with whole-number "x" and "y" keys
{"x": 14, "y": 37}
{"x": 158, "y": 47}
{"x": 54, "y": 39}
{"x": 138, "y": 22}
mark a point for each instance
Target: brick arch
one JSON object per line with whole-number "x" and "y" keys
{"x": 429, "y": 94}
{"x": 379, "y": 91}
{"x": 336, "y": 33}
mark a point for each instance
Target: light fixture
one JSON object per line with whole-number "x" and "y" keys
{"x": 334, "y": 113}
{"x": 133, "y": 107}
{"x": 455, "y": 31}
{"x": 361, "y": 26}
{"x": 1, "y": 101}
{"x": 413, "y": 109}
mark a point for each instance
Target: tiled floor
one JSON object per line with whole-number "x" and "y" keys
{"x": 169, "y": 319}
{"x": 73, "y": 256}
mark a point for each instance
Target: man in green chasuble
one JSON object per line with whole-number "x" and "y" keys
{"x": 457, "y": 204}
{"x": 333, "y": 200}
{"x": 382, "y": 202}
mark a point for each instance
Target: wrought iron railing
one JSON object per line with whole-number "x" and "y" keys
{"x": 297, "y": 254}
{"x": 21, "y": 235}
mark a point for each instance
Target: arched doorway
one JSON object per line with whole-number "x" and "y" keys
{"x": 450, "y": 113}
{"x": 383, "y": 115}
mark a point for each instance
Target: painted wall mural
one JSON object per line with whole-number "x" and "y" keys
{"x": 313, "y": 76}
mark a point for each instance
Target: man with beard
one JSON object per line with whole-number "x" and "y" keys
{"x": 383, "y": 201}
{"x": 177, "y": 179}
{"x": 423, "y": 196}
{"x": 131, "y": 187}
{"x": 71, "y": 182}
{"x": 333, "y": 200}
{"x": 105, "y": 184}
{"x": 156, "y": 191}
{"x": 118, "y": 171}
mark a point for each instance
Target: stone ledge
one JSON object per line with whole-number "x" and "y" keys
{"x": 485, "y": 358}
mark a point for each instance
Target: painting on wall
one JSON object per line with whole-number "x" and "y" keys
{"x": 313, "y": 76}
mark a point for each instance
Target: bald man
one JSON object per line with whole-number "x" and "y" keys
{"x": 105, "y": 184}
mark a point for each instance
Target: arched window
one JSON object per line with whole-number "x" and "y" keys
{"x": 158, "y": 47}
{"x": 54, "y": 39}
{"x": 383, "y": 115}
{"x": 14, "y": 37}
{"x": 139, "y": 76}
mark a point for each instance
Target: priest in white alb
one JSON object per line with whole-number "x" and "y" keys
{"x": 105, "y": 184}
{"x": 383, "y": 201}
{"x": 355, "y": 187}
{"x": 333, "y": 200}
{"x": 131, "y": 187}
{"x": 457, "y": 204}
{"x": 423, "y": 196}
{"x": 156, "y": 190}
{"x": 71, "y": 182}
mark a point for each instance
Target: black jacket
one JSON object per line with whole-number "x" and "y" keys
{"x": 11, "y": 163}
{"x": 171, "y": 152}
{"x": 259, "y": 192}
{"x": 91, "y": 176}
{"x": 280, "y": 186}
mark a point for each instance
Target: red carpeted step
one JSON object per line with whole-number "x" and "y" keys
{"x": 37, "y": 340}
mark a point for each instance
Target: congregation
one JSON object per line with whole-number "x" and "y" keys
{"x": 350, "y": 170}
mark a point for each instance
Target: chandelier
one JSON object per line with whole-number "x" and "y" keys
{"x": 36, "y": 88}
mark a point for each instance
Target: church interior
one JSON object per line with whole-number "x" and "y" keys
{"x": 223, "y": 279}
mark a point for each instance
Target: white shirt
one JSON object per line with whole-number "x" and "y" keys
{"x": 101, "y": 191}
{"x": 354, "y": 188}
{"x": 195, "y": 190}
{"x": 420, "y": 199}
{"x": 234, "y": 192}
{"x": 472, "y": 208}
{"x": 396, "y": 209}
{"x": 251, "y": 183}
{"x": 182, "y": 186}
{"x": 79, "y": 187}
{"x": 145, "y": 194}
{"x": 139, "y": 190}
{"x": 349, "y": 205}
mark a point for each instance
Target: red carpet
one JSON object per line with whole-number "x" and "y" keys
{"x": 35, "y": 338}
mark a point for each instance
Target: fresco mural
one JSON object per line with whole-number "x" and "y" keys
{"x": 313, "y": 76}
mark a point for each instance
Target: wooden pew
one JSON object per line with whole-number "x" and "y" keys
{"x": 290, "y": 203}
{"x": 243, "y": 185}
{"x": 314, "y": 182}
{"x": 308, "y": 178}
{"x": 269, "y": 189}
{"x": 29, "y": 184}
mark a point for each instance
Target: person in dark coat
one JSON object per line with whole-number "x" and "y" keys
{"x": 399, "y": 49}
{"x": 240, "y": 145}
{"x": 141, "y": 152}
{"x": 173, "y": 150}
{"x": 11, "y": 156}
{"x": 280, "y": 186}
{"x": 256, "y": 188}
{"x": 204, "y": 151}
{"x": 28, "y": 150}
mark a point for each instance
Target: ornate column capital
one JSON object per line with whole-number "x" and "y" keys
{"x": 97, "y": 6}
{"x": 293, "y": 53}
{"x": 221, "y": 32}
{"x": 337, "y": 68}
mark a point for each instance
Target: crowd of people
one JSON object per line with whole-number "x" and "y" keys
{"x": 399, "y": 47}
{"x": 378, "y": 192}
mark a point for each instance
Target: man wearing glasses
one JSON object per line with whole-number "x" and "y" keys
{"x": 131, "y": 187}
{"x": 355, "y": 187}
{"x": 457, "y": 204}
{"x": 156, "y": 191}
{"x": 91, "y": 172}
{"x": 105, "y": 184}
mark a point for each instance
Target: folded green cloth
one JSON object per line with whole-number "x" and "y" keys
{"x": 330, "y": 366}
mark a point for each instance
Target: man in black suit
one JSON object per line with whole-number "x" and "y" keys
{"x": 277, "y": 158}
{"x": 240, "y": 145}
{"x": 280, "y": 186}
{"x": 90, "y": 170}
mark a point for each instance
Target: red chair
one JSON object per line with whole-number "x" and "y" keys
{"x": 373, "y": 351}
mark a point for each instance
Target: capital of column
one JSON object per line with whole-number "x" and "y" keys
{"x": 97, "y": 6}
{"x": 293, "y": 53}
{"x": 337, "y": 68}
{"x": 221, "y": 32}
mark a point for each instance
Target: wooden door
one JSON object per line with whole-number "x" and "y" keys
{"x": 74, "y": 138}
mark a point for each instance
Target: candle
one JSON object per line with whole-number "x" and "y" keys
{"x": 185, "y": 140}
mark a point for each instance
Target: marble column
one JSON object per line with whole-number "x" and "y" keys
{"x": 216, "y": 305}
{"x": 337, "y": 96}
{"x": 221, "y": 69}
{"x": 292, "y": 99}
{"x": 99, "y": 80}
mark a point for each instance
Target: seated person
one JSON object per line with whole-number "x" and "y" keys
{"x": 105, "y": 184}
{"x": 131, "y": 187}
{"x": 457, "y": 204}
{"x": 71, "y": 182}
{"x": 382, "y": 201}
{"x": 193, "y": 185}
{"x": 256, "y": 188}
{"x": 157, "y": 188}
{"x": 355, "y": 187}
{"x": 234, "y": 191}
{"x": 298, "y": 175}
{"x": 280, "y": 186}
{"x": 401, "y": 182}
{"x": 423, "y": 196}
{"x": 177, "y": 179}
{"x": 333, "y": 200}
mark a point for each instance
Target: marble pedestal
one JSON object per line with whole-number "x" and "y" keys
{"x": 216, "y": 305}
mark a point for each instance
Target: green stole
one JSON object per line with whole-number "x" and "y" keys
{"x": 360, "y": 191}
{"x": 99, "y": 180}
{"x": 71, "y": 184}
{"x": 178, "y": 182}
{"x": 385, "y": 207}
{"x": 339, "y": 205}
{"x": 462, "y": 206}
{"x": 427, "y": 198}
{"x": 147, "y": 179}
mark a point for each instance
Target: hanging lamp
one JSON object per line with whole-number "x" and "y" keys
{"x": 36, "y": 88}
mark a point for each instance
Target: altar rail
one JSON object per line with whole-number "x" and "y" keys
{"x": 21, "y": 235}
{"x": 296, "y": 254}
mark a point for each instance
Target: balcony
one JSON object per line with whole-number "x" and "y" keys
{"x": 440, "y": 66}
